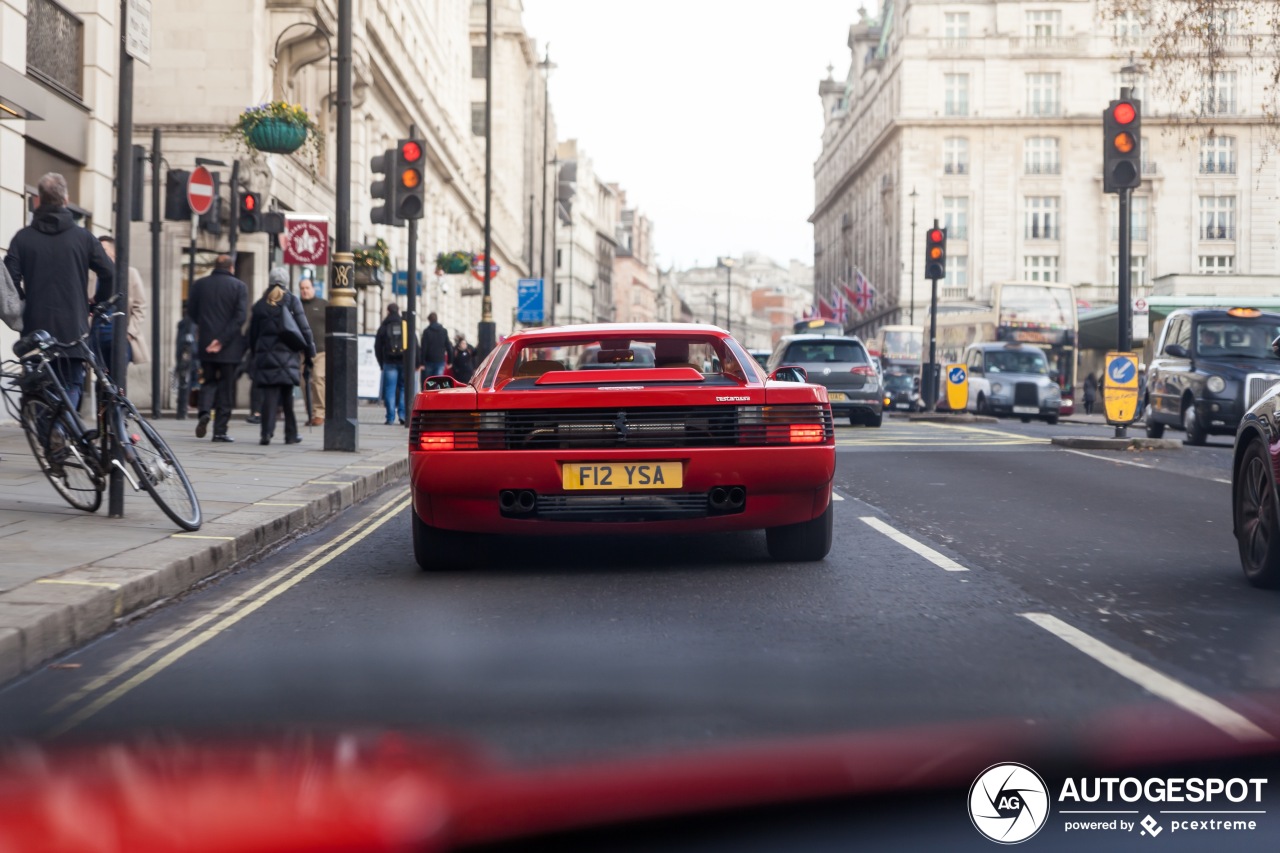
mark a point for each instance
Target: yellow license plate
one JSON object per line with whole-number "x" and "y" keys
{"x": 584, "y": 476}
{"x": 836, "y": 396}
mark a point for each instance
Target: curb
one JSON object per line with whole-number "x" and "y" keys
{"x": 58, "y": 613}
{"x": 1099, "y": 443}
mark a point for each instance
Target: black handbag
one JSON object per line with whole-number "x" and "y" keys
{"x": 290, "y": 333}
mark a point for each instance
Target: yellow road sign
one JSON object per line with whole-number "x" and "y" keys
{"x": 957, "y": 387}
{"x": 1120, "y": 387}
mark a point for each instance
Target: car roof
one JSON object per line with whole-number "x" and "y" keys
{"x": 1219, "y": 314}
{"x": 1010, "y": 345}
{"x": 786, "y": 339}
{"x": 635, "y": 329}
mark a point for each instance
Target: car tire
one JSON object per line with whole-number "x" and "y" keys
{"x": 982, "y": 407}
{"x": 854, "y": 420}
{"x": 1155, "y": 429}
{"x": 1191, "y": 424}
{"x": 439, "y": 550}
{"x": 805, "y": 542}
{"x": 875, "y": 420}
{"x": 1026, "y": 419}
{"x": 1051, "y": 420}
{"x": 1256, "y": 518}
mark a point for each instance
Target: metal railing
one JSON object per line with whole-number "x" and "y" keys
{"x": 1217, "y": 232}
{"x": 1053, "y": 168}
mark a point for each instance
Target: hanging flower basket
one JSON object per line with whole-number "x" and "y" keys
{"x": 454, "y": 263}
{"x": 277, "y": 128}
{"x": 277, "y": 136}
{"x": 368, "y": 277}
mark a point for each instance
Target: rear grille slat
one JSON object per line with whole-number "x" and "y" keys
{"x": 639, "y": 428}
{"x": 621, "y": 507}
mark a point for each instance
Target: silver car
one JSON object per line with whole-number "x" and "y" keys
{"x": 1011, "y": 379}
{"x": 844, "y": 366}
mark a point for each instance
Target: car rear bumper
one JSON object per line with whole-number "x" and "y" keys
{"x": 461, "y": 490}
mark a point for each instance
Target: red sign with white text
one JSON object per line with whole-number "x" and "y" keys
{"x": 306, "y": 242}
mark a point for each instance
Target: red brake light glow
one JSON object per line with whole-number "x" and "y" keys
{"x": 807, "y": 434}
{"x": 435, "y": 441}
{"x": 864, "y": 370}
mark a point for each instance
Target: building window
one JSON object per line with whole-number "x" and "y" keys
{"x": 956, "y": 284}
{"x": 956, "y": 28}
{"x": 1040, "y": 268}
{"x": 956, "y": 87}
{"x": 1042, "y": 94}
{"x": 1139, "y": 216}
{"x": 479, "y": 62}
{"x": 1127, "y": 26}
{"x": 1218, "y": 155}
{"x": 55, "y": 47}
{"x": 1137, "y": 270}
{"x": 1217, "y": 217}
{"x": 1224, "y": 21}
{"x": 1217, "y": 264}
{"x": 955, "y": 212}
{"x": 955, "y": 155}
{"x": 1044, "y": 25}
{"x": 1042, "y": 217}
{"x": 1219, "y": 95}
{"x": 477, "y": 118}
{"x": 1040, "y": 155}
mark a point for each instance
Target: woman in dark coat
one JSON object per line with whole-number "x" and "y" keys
{"x": 1090, "y": 393}
{"x": 276, "y": 368}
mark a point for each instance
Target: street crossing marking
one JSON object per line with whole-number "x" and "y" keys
{"x": 1188, "y": 699}
{"x": 836, "y": 497}
{"x": 939, "y": 560}
{"x": 356, "y": 533}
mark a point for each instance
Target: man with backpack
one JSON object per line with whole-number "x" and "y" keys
{"x": 388, "y": 348}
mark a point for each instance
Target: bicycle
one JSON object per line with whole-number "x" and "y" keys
{"x": 78, "y": 461}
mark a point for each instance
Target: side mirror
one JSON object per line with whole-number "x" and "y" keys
{"x": 1177, "y": 351}
{"x": 437, "y": 383}
{"x": 789, "y": 374}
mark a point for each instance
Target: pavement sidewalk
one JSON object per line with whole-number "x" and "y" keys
{"x": 66, "y": 575}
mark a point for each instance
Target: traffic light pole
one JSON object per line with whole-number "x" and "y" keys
{"x": 1124, "y": 304}
{"x": 156, "y": 228}
{"x": 233, "y": 227}
{"x": 488, "y": 332}
{"x": 119, "y": 355}
{"x": 342, "y": 425}
{"x": 410, "y": 368}
{"x": 931, "y": 380}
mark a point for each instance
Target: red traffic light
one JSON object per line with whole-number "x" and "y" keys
{"x": 249, "y": 202}
{"x": 935, "y": 235}
{"x": 1124, "y": 113}
{"x": 411, "y": 152}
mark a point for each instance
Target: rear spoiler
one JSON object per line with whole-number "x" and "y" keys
{"x": 630, "y": 376}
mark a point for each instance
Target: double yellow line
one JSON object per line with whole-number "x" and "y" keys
{"x": 213, "y": 623}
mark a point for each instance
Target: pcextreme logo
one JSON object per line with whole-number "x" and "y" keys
{"x": 1009, "y": 803}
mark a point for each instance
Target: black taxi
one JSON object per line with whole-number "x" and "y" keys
{"x": 1211, "y": 365}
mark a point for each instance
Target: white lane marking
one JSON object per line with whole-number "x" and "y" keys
{"x": 920, "y": 548}
{"x": 1109, "y": 459}
{"x": 836, "y": 497}
{"x": 1188, "y": 699}
{"x": 1220, "y": 480}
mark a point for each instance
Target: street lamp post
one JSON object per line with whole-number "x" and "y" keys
{"x": 912, "y": 309}
{"x": 547, "y": 67}
{"x": 342, "y": 425}
{"x": 728, "y": 264}
{"x": 488, "y": 331}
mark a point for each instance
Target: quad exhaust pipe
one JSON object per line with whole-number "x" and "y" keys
{"x": 517, "y": 501}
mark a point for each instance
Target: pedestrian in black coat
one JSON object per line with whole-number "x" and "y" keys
{"x": 435, "y": 350}
{"x": 277, "y": 369}
{"x": 49, "y": 261}
{"x": 219, "y": 305}
{"x": 1090, "y": 393}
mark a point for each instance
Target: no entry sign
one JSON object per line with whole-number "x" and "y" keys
{"x": 200, "y": 190}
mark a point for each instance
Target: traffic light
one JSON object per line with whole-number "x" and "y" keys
{"x": 250, "y": 216}
{"x": 935, "y": 253}
{"x": 176, "y": 208}
{"x": 211, "y": 221}
{"x": 410, "y": 192}
{"x": 1122, "y": 146}
{"x": 384, "y": 189}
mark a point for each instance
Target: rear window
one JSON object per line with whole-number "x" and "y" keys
{"x": 709, "y": 356}
{"x": 826, "y": 352}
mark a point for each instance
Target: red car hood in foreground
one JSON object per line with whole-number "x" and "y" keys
{"x": 392, "y": 792}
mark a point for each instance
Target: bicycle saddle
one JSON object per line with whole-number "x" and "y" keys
{"x": 28, "y": 344}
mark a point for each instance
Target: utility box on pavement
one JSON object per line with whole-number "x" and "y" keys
{"x": 957, "y": 387}
{"x": 1120, "y": 387}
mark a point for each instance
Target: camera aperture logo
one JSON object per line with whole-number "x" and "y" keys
{"x": 1009, "y": 803}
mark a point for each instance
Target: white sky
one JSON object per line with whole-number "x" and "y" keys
{"x": 705, "y": 111}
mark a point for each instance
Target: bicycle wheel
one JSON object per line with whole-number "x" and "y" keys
{"x": 158, "y": 470}
{"x": 72, "y": 476}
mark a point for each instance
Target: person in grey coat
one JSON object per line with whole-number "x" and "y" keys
{"x": 275, "y": 367}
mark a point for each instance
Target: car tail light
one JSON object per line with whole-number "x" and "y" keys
{"x": 807, "y": 434}
{"x": 435, "y": 441}
{"x": 864, "y": 370}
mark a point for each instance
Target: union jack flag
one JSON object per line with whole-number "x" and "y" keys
{"x": 864, "y": 293}
{"x": 825, "y": 309}
{"x": 841, "y": 306}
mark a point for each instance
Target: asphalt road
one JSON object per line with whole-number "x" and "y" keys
{"x": 1058, "y": 586}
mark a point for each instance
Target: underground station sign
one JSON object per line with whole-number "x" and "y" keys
{"x": 1120, "y": 388}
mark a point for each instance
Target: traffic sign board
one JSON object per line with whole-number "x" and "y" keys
{"x": 200, "y": 191}
{"x": 529, "y": 300}
{"x": 1120, "y": 388}
{"x": 957, "y": 387}
{"x": 477, "y": 269}
{"x": 137, "y": 38}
